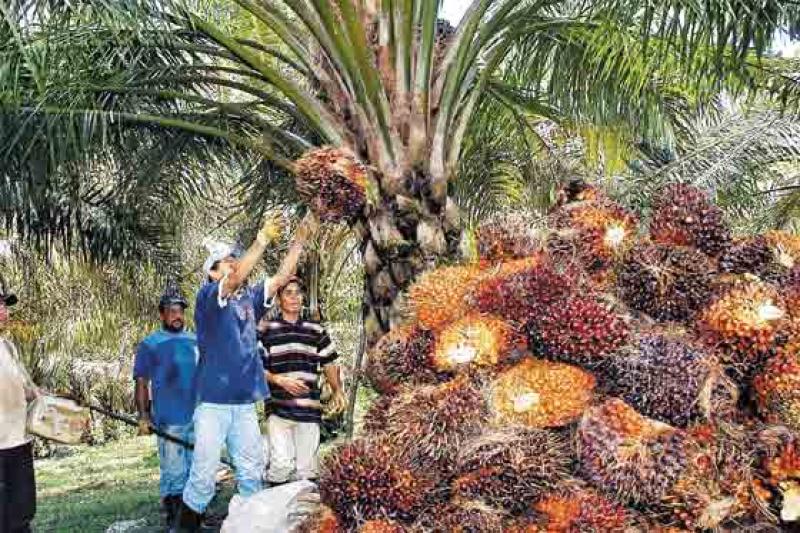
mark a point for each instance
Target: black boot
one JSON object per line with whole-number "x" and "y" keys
{"x": 187, "y": 520}
{"x": 172, "y": 505}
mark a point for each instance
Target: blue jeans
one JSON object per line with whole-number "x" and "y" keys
{"x": 175, "y": 461}
{"x": 236, "y": 426}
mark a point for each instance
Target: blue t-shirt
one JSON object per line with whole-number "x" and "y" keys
{"x": 169, "y": 361}
{"x": 231, "y": 370}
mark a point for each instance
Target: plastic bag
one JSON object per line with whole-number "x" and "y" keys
{"x": 275, "y": 510}
{"x": 58, "y": 419}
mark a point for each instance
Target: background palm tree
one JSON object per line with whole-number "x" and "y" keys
{"x": 264, "y": 82}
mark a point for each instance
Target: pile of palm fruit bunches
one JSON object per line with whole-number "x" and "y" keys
{"x": 606, "y": 374}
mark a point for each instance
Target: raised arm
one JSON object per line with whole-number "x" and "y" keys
{"x": 270, "y": 232}
{"x": 307, "y": 228}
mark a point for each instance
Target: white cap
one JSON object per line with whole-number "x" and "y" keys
{"x": 217, "y": 251}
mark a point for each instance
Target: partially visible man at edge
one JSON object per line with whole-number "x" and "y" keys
{"x": 165, "y": 371}
{"x": 231, "y": 374}
{"x": 17, "y": 481}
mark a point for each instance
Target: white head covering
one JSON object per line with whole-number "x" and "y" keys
{"x": 217, "y": 251}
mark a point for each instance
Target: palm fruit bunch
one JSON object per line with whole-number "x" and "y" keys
{"x": 777, "y": 387}
{"x": 718, "y": 486}
{"x": 511, "y": 467}
{"x": 636, "y": 459}
{"x": 523, "y": 295}
{"x": 668, "y": 283}
{"x": 752, "y": 255}
{"x": 459, "y": 517}
{"x": 475, "y": 341}
{"x": 402, "y": 356}
{"x": 782, "y": 466}
{"x": 577, "y": 190}
{"x": 332, "y": 182}
{"x": 507, "y": 236}
{"x": 581, "y": 509}
{"x": 368, "y": 478}
{"x": 684, "y": 215}
{"x": 431, "y": 422}
{"x": 599, "y": 232}
{"x": 579, "y": 330}
{"x": 540, "y": 394}
{"x": 744, "y": 320}
{"x": 437, "y": 298}
{"x": 665, "y": 377}
{"x": 381, "y": 526}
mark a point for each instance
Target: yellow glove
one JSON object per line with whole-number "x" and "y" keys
{"x": 271, "y": 229}
{"x": 144, "y": 427}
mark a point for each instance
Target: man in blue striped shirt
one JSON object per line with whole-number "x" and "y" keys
{"x": 297, "y": 350}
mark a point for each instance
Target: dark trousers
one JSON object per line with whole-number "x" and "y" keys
{"x": 17, "y": 489}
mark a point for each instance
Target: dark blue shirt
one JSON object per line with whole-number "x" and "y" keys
{"x": 230, "y": 371}
{"x": 169, "y": 361}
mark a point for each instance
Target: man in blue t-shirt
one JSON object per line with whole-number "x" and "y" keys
{"x": 165, "y": 370}
{"x": 231, "y": 374}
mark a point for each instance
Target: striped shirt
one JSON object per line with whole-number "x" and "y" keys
{"x": 298, "y": 350}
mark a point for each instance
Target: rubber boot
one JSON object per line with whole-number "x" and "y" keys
{"x": 187, "y": 520}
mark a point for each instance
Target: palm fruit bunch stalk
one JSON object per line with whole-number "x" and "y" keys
{"x": 332, "y": 182}
{"x": 636, "y": 459}
{"x": 431, "y": 422}
{"x": 599, "y": 232}
{"x": 369, "y": 479}
{"x": 580, "y": 330}
{"x": 781, "y": 463}
{"x": 507, "y": 236}
{"x": 684, "y": 215}
{"x": 668, "y": 283}
{"x": 381, "y": 526}
{"x": 402, "y": 356}
{"x": 668, "y": 378}
{"x": 474, "y": 342}
{"x": 719, "y": 485}
{"x": 575, "y": 508}
{"x": 510, "y": 468}
{"x": 536, "y": 393}
{"x": 777, "y": 386}
{"x": 522, "y": 295}
{"x": 459, "y": 517}
{"x": 743, "y": 321}
{"x": 438, "y": 297}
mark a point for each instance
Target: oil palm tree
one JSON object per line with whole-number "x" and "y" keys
{"x": 382, "y": 80}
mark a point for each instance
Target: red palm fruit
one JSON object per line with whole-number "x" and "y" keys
{"x": 637, "y": 459}
{"x": 474, "y": 342}
{"x": 579, "y": 330}
{"x": 717, "y": 486}
{"x": 581, "y": 509}
{"x": 332, "y": 182}
{"x": 437, "y": 298}
{"x": 511, "y": 467}
{"x": 368, "y": 478}
{"x": 669, "y": 283}
{"x": 402, "y": 356}
{"x": 781, "y": 466}
{"x": 521, "y": 295}
{"x": 431, "y": 422}
{"x": 323, "y": 520}
{"x": 507, "y": 236}
{"x": 375, "y": 417}
{"x": 777, "y": 386}
{"x": 381, "y": 526}
{"x": 459, "y": 517}
{"x": 743, "y": 321}
{"x": 540, "y": 394}
{"x": 683, "y": 215}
